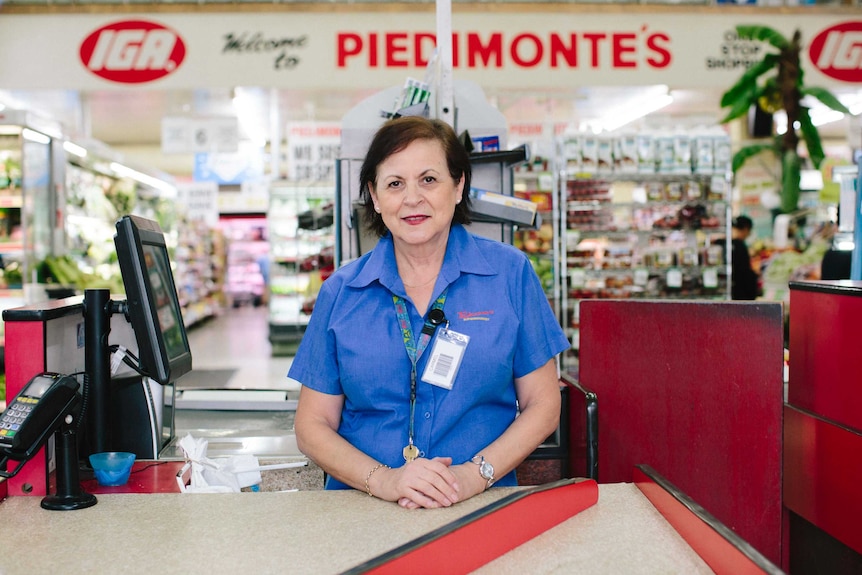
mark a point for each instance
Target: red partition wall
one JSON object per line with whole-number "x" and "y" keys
{"x": 823, "y": 427}
{"x": 694, "y": 390}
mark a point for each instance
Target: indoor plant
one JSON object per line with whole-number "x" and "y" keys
{"x": 775, "y": 83}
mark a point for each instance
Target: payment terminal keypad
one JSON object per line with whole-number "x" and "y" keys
{"x": 15, "y": 415}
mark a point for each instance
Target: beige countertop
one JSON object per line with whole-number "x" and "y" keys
{"x": 315, "y": 532}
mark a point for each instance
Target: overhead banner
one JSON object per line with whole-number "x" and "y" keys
{"x": 375, "y": 50}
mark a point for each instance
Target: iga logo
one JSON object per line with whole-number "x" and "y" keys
{"x": 132, "y": 52}
{"x": 837, "y": 51}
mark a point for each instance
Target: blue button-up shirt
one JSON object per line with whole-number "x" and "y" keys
{"x": 353, "y": 346}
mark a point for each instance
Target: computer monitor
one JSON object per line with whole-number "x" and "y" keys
{"x": 151, "y": 297}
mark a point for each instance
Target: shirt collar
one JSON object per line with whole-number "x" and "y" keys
{"x": 463, "y": 256}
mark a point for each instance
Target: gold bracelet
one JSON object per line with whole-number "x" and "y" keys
{"x": 370, "y": 473}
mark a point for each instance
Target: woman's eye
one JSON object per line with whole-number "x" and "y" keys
{"x": 395, "y": 184}
{"x": 429, "y": 179}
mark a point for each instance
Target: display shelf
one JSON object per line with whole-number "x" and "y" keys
{"x": 302, "y": 238}
{"x": 642, "y": 235}
{"x": 199, "y": 261}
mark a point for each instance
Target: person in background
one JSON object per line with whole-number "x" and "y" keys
{"x": 744, "y": 284}
{"x": 428, "y": 366}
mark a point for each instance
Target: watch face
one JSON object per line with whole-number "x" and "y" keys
{"x": 486, "y": 470}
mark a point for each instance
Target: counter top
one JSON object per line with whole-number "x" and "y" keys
{"x": 315, "y": 532}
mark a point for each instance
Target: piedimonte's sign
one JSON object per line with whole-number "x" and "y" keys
{"x": 375, "y": 50}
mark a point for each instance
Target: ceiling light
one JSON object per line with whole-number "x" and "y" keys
{"x": 34, "y": 136}
{"x": 75, "y": 149}
{"x": 126, "y": 172}
{"x": 646, "y": 102}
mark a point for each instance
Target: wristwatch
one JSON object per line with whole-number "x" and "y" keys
{"x": 486, "y": 470}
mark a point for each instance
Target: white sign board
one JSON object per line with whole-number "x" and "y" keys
{"x": 312, "y": 148}
{"x": 189, "y": 135}
{"x": 200, "y": 200}
{"x": 375, "y": 50}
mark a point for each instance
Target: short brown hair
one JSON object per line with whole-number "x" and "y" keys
{"x": 395, "y": 135}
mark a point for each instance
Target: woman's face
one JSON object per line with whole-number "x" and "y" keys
{"x": 415, "y": 195}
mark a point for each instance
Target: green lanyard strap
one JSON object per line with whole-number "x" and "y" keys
{"x": 434, "y": 318}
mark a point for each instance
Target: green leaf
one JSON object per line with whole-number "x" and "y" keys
{"x": 811, "y": 137}
{"x": 747, "y": 83}
{"x": 746, "y": 153}
{"x": 763, "y": 34}
{"x": 826, "y": 97}
{"x": 791, "y": 172}
{"x": 739, "y": 109}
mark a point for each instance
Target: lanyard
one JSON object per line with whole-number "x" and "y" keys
{"x": 414, "y": 351}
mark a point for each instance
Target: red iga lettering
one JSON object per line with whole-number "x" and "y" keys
{"x": 837, "y": 51}
{"x": 132, "y": 51}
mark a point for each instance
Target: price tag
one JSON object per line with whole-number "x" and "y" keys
{"x": 710, "y": 278}
{"x": 641, "y": 277}
{"x": 674, "y": 278}
{"x": 577, "y": 278}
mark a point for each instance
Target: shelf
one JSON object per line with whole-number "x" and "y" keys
{"x": 640, "y": 176}
{"x": 508, "y": 157}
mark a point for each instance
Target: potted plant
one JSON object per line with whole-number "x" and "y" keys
{"x": 776, "y": 83}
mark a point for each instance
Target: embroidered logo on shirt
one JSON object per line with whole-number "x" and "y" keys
{"x": 475, "y": 315}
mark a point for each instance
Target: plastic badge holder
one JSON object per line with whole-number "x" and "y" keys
{"x": 112, "y": 467}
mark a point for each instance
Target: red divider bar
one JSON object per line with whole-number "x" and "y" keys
{"x": 722, "y": 549}
{"x": 463, "y": 545}
{"x": 822, "y": 474}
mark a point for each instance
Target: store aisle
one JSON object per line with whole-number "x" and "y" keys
{"x": 235, "y": 396}
{"x": 235, "y": 345}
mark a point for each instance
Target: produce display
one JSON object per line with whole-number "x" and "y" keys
{"x": 64, "y": 271}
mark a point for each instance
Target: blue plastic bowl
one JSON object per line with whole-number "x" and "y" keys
{"x": 112, "y": 467}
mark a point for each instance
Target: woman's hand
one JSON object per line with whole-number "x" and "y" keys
{"x": 428, "y": 483}
{"x": 467, "y": 483}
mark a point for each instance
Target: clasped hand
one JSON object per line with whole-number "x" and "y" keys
{"x": 431, "y": 483}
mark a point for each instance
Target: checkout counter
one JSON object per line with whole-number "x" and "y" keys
{"x": 637, "y": 524}
{"x": 581, "y": 527}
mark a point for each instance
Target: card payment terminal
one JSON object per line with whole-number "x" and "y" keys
{"x": 35, "y": 413}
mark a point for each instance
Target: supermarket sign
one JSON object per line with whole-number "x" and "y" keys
{"x": 379, "y": 49}
{"x": 132, "y": 52}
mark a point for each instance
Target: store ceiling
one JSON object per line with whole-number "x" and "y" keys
{"x": 132, "y": 119}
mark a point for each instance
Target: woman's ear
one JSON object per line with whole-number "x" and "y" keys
{"x": 460, "y": 189}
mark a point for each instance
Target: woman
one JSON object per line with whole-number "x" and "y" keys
{"x": 370, "y": 412}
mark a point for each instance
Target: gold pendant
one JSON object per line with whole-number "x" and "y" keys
{"x": 410, "y": 452}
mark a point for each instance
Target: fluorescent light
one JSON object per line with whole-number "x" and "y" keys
{"x": 820, "y": 114}
{"x": 126, "y": 172}
{"x": 75, "y": 149}
{"x": 37, "y": 137}
{"x": 645, "y": 103}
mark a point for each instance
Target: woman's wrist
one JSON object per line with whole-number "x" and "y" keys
{"x": 368, "y": 478}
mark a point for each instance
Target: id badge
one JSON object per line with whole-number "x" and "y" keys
{"x": 446, "y": 355}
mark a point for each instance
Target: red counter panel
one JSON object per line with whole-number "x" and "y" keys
{"x": 694, "y": 390}
{"x": 825, "y": 366}
{"x": 823, "y": 475}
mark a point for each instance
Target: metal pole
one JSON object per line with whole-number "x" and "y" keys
{"x": 445, "y": 97}
{"x": 97, "y": 365}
